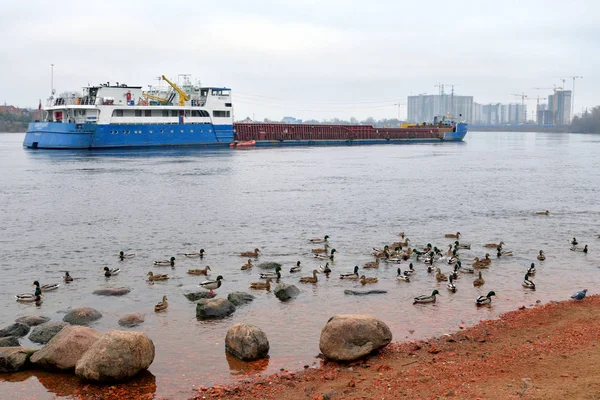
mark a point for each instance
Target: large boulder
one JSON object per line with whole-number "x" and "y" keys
{"x": 66, "y": 347}
{"x": 246, "y": 342}
{"x": 17, "y": 330}
{"x": 350, "y": 337}
{"x": 112, "y": 291}
{"x": 195, "y": 296}
{"x": 131, "y": 320}
{"x": 82, "y": 316}
{"x": 14, "y": 359}
{"x": 9, "y": 341}
{"x": 240, "y": 298}
{"x": 214, "y": 308}
{"x": 44, "y": 332}
{"x": 286, "y": 292}
{"x": 32, "y": 320}
{"x": 117, "y": 356}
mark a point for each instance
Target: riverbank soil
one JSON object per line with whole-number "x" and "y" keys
{"x": 543, "y": 352}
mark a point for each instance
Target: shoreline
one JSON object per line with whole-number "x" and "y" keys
{"x": 542, "y": 352}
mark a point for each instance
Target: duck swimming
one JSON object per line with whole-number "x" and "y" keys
{"x": 310, "y": 279}
{"x": 319, "y": 240}
{"x": 451, "y": 286}
{"x": 296, "y": 268}
{"x": 272, "y": 275}
{"x": 250, "y": 253}
{"x": 67, "y": 278}
{"x": 531, "y": 270}
{"x": 353, "y": 275}
{"x": 574, "y": 242}
{"x": 410, "y": 270}
{"x": 110, "y": 272}
{"x": 426, "y": 299}
{"x": 123, "y": 255}
{"x": 542, "y": 212}
{"x": 483, "y": 300}
{"x": 321, "y": 250}
{"x": 402, "y": 276}
{"x": 199, "y": 271}
{"x": 528, "y": 284}
{"x": 325, "y": 256}
{"x": 199, "y": 254}
{"x": 466, "y": 270}
{"x": 262, "y": 285}
{"x": 158, "y": 277}
{"x": 372, "y": 264}
{"x": 211, "y": 284}
{"x": 493, "y": 245}
{"x": 161, "y": 305}
{"x": 479, "y": 281}
{"x": 248, "y": 265}
{"x": 170, "y": 262}
{"x": 439, "y": 276}
{"x": 452, "y": 235}
{"x": 541, "y": 256}
{"x": 582, "y": 249}
{"x": 29, "y": 298}
{"x": 364, "y": 280}
{"x": 325, "y": 270}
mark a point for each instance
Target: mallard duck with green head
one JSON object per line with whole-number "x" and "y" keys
{"x": 108, "y": 272}
{"x": 211, "y": 284}
{"x": 402, "y": 276}
{"x": 353, "y": 275}
{"x": 170, "y": 262}
{"x": 483, "y": 300}
{"x": 272, "y": 275}
{"x": 427, "y": 299}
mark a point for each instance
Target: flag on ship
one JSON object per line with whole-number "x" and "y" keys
{"x": 40, "y": 105}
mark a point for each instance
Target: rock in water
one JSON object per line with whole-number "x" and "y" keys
{"x": 268, "y": 265}
{"x": 364, "y": 292}
{"x": 286, "y": 292}
{"x": 131, "y": 320}
{"x": 82, "y": 316}
{"x": 9, "y": 341}
{"x": 199, "y": 295}
{"x": 112, "y": 291}
{"x": 214, "y": 308}
{"x": 17, "y": 330}
{"x": 44, "y": 332}
{"x": 66, "y": 348}
{"x": 240, "y": 298}
{"x": 117, "y": 356}
{"x": 32, "y": 320}
{"x": 246, "y": 342}
{"x": 350, "y": 337}
{"x": 14, "y": 359}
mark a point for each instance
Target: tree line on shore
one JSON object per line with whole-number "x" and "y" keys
{"x": 588, "y": 122}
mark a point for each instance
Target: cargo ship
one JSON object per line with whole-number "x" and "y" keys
{"x": 118, "y": 115}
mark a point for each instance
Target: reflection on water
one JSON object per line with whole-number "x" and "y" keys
{"x": 245, "y": 368}
{"x": 75, "y": 210}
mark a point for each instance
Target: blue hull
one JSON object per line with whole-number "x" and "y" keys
{"x": 53, "y": 135}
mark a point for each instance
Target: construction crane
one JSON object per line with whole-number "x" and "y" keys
{"x": 573, "y": 95}
{"x": 522, "y": 96}
{"x": 183, "y": 96}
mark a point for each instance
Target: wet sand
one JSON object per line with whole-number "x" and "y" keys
{"x": 542, "y": 352}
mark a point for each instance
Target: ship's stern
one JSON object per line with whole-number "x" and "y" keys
{"x": 457, "y": 134}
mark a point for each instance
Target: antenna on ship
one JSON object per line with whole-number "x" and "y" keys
{"x": 52, "y": 80}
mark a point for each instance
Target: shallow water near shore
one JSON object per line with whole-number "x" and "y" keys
{"x": 67, "y": 210}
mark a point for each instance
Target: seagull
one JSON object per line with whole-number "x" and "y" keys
{"x": 579, "y": 295}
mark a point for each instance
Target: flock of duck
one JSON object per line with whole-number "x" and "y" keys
{"x": 395, "y": 253}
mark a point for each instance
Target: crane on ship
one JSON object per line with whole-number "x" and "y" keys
{"x": 183, "y": 96}
{"x": 159, "y": 99}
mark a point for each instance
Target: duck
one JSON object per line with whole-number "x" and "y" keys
{"x": 250, "y": 253}
{"x": 430, "y": 259}
{"x": 453, "y": 260}
{"x": 439, "y": 276}
{"x": 449, "y": 252}
{"x": 401, "y": 234}
{"x": 211, "y": 284}
{"x": 541, "y": 256}
{"x": 459, "y": 245}
{"x": 364, "y": 280}
{"x": 479, "y": 281}
{"x": 170, "y": 262}
{"x": 402, "y": 276}
{"x": 466, "y": 270}
{"x": 582, "y": 249}
{"x": 108, "y": 272}
{"x": 372, "y": 264}
{"x": 483, "y": 300}
{"x": 477, "y": 263}
{"x": 48, "y": 287}
{"x": 272, "y": 275}
{"x": 319, "y": 240}
{"x": 531, "y": 270}
{"x": 580, "y": 295}
{"x": 574, "y": 242}
{"x": 493, "y": 245}
{"x": 454, "y": 272}
{"x": 159, "y": 277}
{"x": 199, "y": 271}
{"x": 500, "y": 252}
{"x": 67, "y": 278}
{"x": 543, "y": 212}
{"x": 199, "y": 254}
{"x": 527, "y": 283}
{"x": 426, "y": 299}
{"x": 123, "y": 255}
{"x": 378, "y": 253}
{"x": 321, "y": 250}
{"x": 30, "y": 298}
{"x": 248, "y": 265}
{"x": 310, "y": 279}
{"x": 353, "y": 275}
{"x": 392, "y": 259}
{"x": 161, "y": 305}
{"x": 410, "y": 270}
{"x": 262, "y": 285}
{"x": 402, "y": 244}
{"x": 325, "y": 269}
{"x": 325, "y": 256}
{"x": 451, "y": 286}
{"x": 452, "y": 235}
{"x": 296, "y": 268}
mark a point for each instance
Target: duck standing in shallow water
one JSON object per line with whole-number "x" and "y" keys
{"x": 528, "y": 284}
{"x": 426, "y": 299}
{"x": 170, "y": 262}
{"x": 541, "y": 256}
{"x": 483, "y": 300}
{"x": 110, "y": 272}
{"x": 161, "y": 305}
{"x": 211, "y": 284}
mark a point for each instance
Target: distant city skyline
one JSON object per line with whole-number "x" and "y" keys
{"x": 285, "y": 59}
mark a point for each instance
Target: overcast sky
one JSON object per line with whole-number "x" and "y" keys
{"x": 309, "y": 59}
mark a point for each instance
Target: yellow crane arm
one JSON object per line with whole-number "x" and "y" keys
{"x": 159, "y": 99}
{"x": 183, "y": 96}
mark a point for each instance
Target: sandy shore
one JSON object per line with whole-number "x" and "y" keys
{"x": 544, "y": 352}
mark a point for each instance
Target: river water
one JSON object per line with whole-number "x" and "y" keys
{"x": 74, "y": 210}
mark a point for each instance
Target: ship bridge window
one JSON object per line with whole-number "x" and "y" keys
{"x": 218, "y": 92}
{"x": 221, "y": 114}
